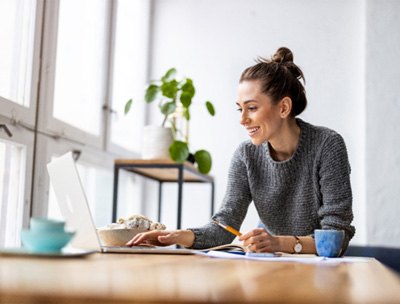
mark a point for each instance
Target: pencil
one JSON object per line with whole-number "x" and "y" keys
{"x": 227, "y": 228}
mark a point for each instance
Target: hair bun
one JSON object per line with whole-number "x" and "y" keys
{"x": 282, "y": 55}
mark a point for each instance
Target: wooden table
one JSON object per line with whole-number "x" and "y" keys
{"x": 133, "y": 278}
{"x": 162, "y": 171}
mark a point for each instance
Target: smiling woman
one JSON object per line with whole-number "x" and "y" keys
{"x": 270, "y": 96}
{"x": 258, "y": 111}
{"x": 297, "y": 174}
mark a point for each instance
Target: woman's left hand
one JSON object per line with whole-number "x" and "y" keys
{"x": 259, "y": 240}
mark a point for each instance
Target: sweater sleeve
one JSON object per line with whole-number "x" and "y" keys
{"x": 233, "y": 209}
{"x": 334, "y": 179}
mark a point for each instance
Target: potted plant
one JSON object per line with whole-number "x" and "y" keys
{"x": 175, "y": 98}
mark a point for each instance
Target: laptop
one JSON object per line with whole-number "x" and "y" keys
{"x": 74, "y": 207}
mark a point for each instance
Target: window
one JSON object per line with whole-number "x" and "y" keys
{"x": 80, "y": 64}
{"x": 18, "y": 73}
{"x": 12, "y": 188}
{"x": 81, "y": 57}
{"x": 129, "y": 72}
{"x": 17, "y": 28}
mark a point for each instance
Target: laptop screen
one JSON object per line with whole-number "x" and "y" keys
{"x": 72, "y": 201}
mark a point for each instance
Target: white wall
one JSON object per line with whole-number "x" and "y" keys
{"x": 212, "y": 41}
{"x": 383, "y": 122}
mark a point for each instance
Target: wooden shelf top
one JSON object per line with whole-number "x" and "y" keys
{"x": 165, "y": 170}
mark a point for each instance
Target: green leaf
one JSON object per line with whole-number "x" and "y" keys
{"x": 210, "y": 108}
{"x": 151, "y": 93}
{"x": 168, "y": 108}
{"x": 179, "y": 151}
{"x": 169, "y": 75}
{"x": 169, "y": 89}
{"x": 203, "y": 160}
{"x": 186, "y": 99}
{"x": 188, "y": 87}
{"x": 128, "y": 106}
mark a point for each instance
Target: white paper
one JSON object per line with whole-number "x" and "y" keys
{"x": 309, "y": 259}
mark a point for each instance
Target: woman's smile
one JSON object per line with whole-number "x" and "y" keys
{"x": 253, "y": 131}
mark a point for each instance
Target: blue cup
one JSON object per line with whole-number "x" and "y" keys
{"x": 46, "y": 236}
{"x": 41, "y": 224}
{"x": 328, "y": 242}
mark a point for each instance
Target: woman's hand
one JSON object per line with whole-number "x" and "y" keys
{"x": 259, "y": 240}
{"x": 163, "y": 238}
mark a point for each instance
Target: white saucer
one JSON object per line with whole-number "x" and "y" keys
{"x": 65, "y": 253}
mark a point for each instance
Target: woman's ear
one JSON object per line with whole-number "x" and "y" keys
{"x": 285, "y": 107}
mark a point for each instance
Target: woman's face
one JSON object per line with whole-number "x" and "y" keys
{"x": 259, "y": 115}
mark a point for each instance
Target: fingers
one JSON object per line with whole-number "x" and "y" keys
{"x": 263, "y": 246}
{"x": 150, "y": 237}
{"x": 252, "y": 233}
{"x": 156, "y": 237}
{"x": 258, "y": 240}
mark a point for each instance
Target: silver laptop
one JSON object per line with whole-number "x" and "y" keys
{"x": 74, "y": 207}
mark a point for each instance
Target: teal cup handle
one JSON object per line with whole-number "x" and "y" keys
{"x": 329, "y": 242}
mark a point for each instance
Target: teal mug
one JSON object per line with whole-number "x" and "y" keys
{"x": 41, "y": 224}
{"x": 46, "y": 236}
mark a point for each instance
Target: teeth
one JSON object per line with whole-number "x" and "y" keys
{"x": 252, "y": 130}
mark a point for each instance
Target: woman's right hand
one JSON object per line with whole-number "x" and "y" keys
{"x": 163, "y": 238}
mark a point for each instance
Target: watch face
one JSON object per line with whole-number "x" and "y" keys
{"x": 298, "y": 248}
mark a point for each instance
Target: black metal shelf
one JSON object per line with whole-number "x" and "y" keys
{"x": 163, "y": 171}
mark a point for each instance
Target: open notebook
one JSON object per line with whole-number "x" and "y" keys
{"x": 74, "y": 207}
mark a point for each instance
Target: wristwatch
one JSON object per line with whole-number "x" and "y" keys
{"x": 298, "y": 247}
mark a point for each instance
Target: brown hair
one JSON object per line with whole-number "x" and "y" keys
{"x": 279, "y": 77}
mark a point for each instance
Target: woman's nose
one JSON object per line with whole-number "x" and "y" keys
{"x": 244, "y": 119}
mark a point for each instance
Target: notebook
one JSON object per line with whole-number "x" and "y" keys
{"x": 74, "y": 207}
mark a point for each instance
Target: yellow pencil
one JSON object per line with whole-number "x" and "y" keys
{"x": 227, "y": 228}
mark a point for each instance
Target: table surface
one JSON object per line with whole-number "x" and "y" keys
{"x": 190, "y": 173}
{"x": 129, "y": 278}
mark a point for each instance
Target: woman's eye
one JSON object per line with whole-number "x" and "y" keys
{"x": 252, "y": 108}
{"x": 239, "y": 110}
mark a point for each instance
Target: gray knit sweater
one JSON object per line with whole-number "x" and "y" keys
{"x": 311, "y": 190}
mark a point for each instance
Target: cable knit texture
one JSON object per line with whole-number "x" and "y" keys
{"x": 311, "y": 190}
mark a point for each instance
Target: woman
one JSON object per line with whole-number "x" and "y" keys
{"x": 297, "y": 174}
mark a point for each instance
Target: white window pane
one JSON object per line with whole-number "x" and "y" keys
{"x": 12, "y": 181}
{"x": 129, "y": 71}
{"x": 17, "y": 28}
{"x": 80, "y": 63}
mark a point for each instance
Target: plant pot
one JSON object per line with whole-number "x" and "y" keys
{"x": 156, "y": 142}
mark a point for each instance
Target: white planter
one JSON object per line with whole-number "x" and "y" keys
{"x": 156, "y": 142}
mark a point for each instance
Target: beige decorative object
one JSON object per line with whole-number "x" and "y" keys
{"x": 156, "y": 142}
{"x": 117, "y": 237}
{"x": 118, "y": 234}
